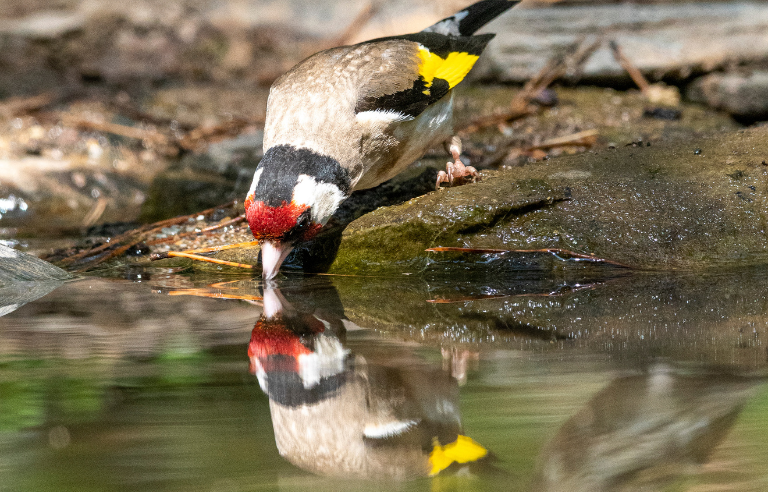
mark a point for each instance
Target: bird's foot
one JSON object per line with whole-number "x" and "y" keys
{"x": 456, "y": 173}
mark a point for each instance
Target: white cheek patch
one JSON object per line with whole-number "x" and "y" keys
{"x": 326, "y": 360}
{"x": 255, "y": 183}
{"x": 322, "y": 198}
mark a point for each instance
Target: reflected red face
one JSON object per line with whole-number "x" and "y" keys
{"x": 286, "y": 222}
{"x": 271, "y": 337}
{"x": 274, "y": 337}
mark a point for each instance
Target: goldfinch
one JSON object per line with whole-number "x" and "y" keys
{"x": 352, "y": 117}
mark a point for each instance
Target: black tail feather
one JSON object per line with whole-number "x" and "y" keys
{"x": 472, "y": 18}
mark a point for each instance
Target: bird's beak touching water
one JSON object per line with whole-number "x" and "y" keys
{"x": 272, "y": 255}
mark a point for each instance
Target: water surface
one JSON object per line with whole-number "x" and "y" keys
{"x": 162, "y": 380}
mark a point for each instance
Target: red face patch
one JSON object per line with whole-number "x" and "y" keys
{"x": 277, "y": 222}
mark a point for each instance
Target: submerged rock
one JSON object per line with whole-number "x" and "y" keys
{"x": 683, "y": 205}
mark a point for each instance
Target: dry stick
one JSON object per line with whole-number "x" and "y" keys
{"x": 182, "y": 254}
{"x": 212, "y": 249}
{"x": 16, "y": 105}
{"x": 205, "y": 230}
{"x": 117, "y": 129}
{"x": 193, "y": 140}
{"x": 136, "y": 114}
{"x": 115, "y": 252}
{"x": 637, "y": 76}
{"x": 586, "y": 138}
{"x": 226, "y": 223}
{"x": 205, "y": 134}
{"x": 96, "y": 212}
{"x": 184, "y": 218}
{"x": 143, "y": 231}
{"x": 215, "y": 249}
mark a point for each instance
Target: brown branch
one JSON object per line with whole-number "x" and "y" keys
{"x": 585, "y": 138}
{"x": 636, "y": 75}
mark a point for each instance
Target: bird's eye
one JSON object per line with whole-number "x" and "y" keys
{"x": 303, "y": 221}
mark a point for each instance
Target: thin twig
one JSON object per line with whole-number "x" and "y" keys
{"x": 204, "y": 135}
{"x": 181, "y": 254}
{"x": 586, "y": 138}
{"x": 136, "y": 235}
{"x": 211, "y": 249}
{"x": 636, "y": 75}
{"x": 206, "y": 230}
{"x": 118, "y": 129}
{"x": 96, "y": 212}
{"x": 22, "y": 105}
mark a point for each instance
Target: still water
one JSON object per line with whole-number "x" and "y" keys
{"x": 585, "y": 381}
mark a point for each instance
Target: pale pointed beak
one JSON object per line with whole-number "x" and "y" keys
{"x": 272, "y": 255}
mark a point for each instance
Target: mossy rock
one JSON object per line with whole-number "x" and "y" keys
{"x": 682, "y": 205}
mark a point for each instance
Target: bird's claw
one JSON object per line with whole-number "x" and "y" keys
{"x": 456, "y": 174}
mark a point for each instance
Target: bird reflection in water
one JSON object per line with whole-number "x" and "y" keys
{"x": 339, "y": 413}
{"x": 643, "y": 432}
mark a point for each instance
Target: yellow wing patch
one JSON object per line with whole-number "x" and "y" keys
{"x": 452, "y": 69}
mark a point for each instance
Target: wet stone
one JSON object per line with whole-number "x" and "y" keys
{"x": 741, "y": 95}
{"x": 17, "y": 266}
{"x": 24, "y": 278}
{"x": 657, "y": 208}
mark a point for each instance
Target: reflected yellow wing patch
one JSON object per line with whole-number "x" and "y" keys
{"x": 452, "y": 69}
{"x": 463, "y": 450}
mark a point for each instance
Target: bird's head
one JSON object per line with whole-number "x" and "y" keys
{"x": 294, "y": 193}
{"x": 278, "y": 229}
